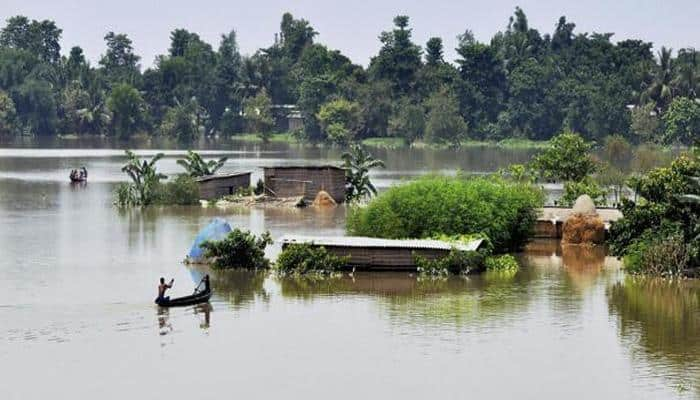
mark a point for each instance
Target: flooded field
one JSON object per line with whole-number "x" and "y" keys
{"x": 78, "y": 278}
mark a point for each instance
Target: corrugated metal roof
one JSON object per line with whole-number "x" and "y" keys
{"x": 561, "y": 214}
{"x": 221, "y": 176}
{"x": 359, "y": 241}
{"x": 306, "y": 167}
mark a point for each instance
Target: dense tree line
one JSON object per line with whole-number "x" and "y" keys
{"x": 521, "y": 84}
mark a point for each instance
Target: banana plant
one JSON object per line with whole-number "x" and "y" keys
{"x": 144, "y": 176}
{"x": 358, "y": 163}
{"x": 195, "y": 165}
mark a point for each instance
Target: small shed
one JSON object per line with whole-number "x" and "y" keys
{"x": 215, "y": 186}
{"x": 305, "y": 181}
{"x": 382, "y": 254}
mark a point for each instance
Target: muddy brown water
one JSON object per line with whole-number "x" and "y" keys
{"x": 77, "y": 281}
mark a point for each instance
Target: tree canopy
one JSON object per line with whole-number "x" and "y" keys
{"x": 522, "y": 83}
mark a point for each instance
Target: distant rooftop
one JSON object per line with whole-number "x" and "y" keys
{"x": 305, "y": 167}
{"x": 222, "y": 176}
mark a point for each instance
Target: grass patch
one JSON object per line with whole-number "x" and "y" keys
{"x": 286, "y": 137}
{"x": 385, "y": 142}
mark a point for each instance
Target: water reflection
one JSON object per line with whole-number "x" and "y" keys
{"x": 660, "y": 321}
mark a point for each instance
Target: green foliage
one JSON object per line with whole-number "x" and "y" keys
{"x": 574, "y": 189}
{"x": 181, "y": 191}
{"x": 240, "y": 249}
{"x": 660, "y": 233}
{"x": 444, "y": 123}
{"x": 407, "y": 121}
{"x": 340, "y": 120}
{"x": 503, "y": 211}
{"x": 195, "y": 165}
{"x": 143, "y": 188}
{"x": 505, "y": 262}
{"x": 518, "y": 173}
{"x": 358, "y": 163}
{"x": 258, "y": 114}
{"x": 259, "y": 187}
{"x": 180, "y": 121}
{"x": 682, "y": 121}
{"x": 8, "y": 115}
{"x": 304, "y": 258}
{"x": 455, "y": 263}
{"x": 566, "y": 159}
{"x": 645, "y": 122}
{"x": 127, "y": 108}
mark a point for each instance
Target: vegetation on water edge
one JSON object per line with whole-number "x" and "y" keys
{"x": 304, "y": 258}
{"x": 147, "y": 187}
{"x": 456, "y": 262}
{"x": 503, "y": 211}
{"x": 520, "y": 84}
{"x": 239, "y": 249}
{"x": 504, "y": 262}
{"x": 659, "y": 233}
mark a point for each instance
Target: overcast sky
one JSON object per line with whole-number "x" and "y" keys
{"x": 351, "y": 26}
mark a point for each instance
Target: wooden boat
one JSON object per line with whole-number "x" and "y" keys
{"x": 195, "y": 298}
{"x": 78, "y": 179}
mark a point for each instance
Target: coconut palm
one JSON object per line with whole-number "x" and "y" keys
{"x": 195, "y": 165}
{"x": 660, "y": 89}
{"x": 358, "y": 163}
{"x": 687, "y": 79}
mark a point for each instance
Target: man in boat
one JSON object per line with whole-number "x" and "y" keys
{"x": 162, "y": 288}
{"x": 83, "y": 172}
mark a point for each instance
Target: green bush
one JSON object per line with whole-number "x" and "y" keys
{"x": 503, "y": 211}
{"x": 240, "y": 249}
{"x": 302, "y": 258}
{"x": 456, "y": 262}
{"x": 504, "y": 262}
{"x": 572, "y": 191}
{"x": 182, "y": 191}
{"x": 662, "y": 256}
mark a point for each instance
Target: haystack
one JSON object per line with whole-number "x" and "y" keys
{"x": 583, "y": 226}
{"x": 323, "y": 199}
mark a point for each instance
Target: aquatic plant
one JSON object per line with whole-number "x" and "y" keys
{"x": 455, "y": 263}
{"x": 505, "y": 262}
{"x": 195, "y": 165}
{"x": 240, "y": 249}
{"x": 303, "y": 258}
{"x": 428, "y": 207}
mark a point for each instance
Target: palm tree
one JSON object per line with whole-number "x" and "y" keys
{"x": 195, "y": 165}
{"x": 358, "y": 163}
{"x": 144, "y": 176}
{"x": 688, "y": 80}
{"x": 660, "y": 89}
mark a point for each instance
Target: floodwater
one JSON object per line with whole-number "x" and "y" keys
{"x": 78, "y": 278}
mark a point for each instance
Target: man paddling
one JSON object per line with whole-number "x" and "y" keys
{"x": 162, "y": 288}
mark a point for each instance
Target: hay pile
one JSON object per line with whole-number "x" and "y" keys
{"x": 323, "y": 199}
{"x": 583, "y": 226}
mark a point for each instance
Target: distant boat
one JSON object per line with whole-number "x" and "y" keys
{"x": 78, "y": 176}
{"x": 76, "y": 179}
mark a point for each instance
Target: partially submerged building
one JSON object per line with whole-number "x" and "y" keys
{"x": 382, "y": 254}
{"x": 305, "y": 181}
{"x": 216, "y": 186}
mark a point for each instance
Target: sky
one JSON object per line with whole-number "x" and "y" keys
{"x": 351, "y": 26}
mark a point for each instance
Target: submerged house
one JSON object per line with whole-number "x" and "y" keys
{"x": 305, "y": 181}
{"x": 215, "y": 186}
{"x": 382, "y": 254}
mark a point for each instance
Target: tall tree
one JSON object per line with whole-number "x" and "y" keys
{"x": 399, "y": 59}
{"x": 119, "y": 62}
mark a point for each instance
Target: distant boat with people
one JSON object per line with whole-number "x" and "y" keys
{"x": 78, "y": 175}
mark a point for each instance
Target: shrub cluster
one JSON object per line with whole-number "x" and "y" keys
{"x": 456, "y": 263}
{"x": 503, "y": 211}
{"x": 303, "y": 258}
{"x": 183, "y": 191}
{"x": 658, "y": 235}
{"x": 504, "y": 262}
{"x": 240, "y": 249}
